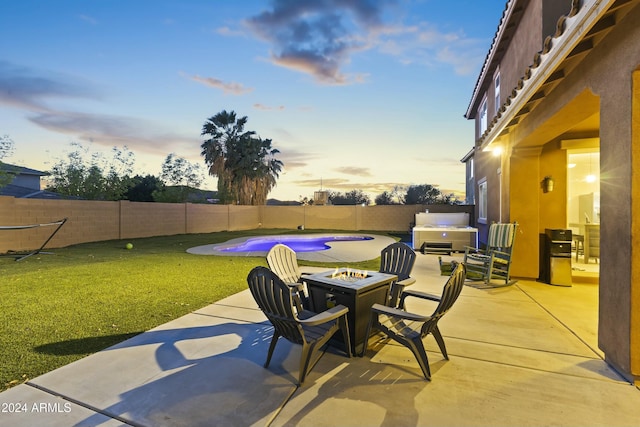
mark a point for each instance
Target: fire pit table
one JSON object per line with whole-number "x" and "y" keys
{"x": 357, "y": 290}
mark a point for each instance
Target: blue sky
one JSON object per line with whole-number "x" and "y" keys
{"x": 356, "y": 94}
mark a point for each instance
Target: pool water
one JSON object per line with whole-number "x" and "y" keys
{"x": 297, "y": 243}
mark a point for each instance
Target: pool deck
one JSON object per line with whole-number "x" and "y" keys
{"x": 346, "y": 251}
{"x": 522, "y": 355}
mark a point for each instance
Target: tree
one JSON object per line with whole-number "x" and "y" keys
{"x": 118, "y": 176}
{"x": 386, "y": 198}
{"x": 390, "y": 197}
{"x": 245, "y": 165}
{"x": 6, "y": 149}
{"x": 425, "y": 194}
{"x": 142, "y": 188}
{"x": 353, "y": 197}
{"x": 179, "y": 178}
{"x": 450, "y": 199}
{"x": 95, "y": 178}
{"x": 179, "y": 171}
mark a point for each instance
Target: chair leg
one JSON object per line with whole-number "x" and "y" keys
{"x": 307, "y": 360}
{"x": 272, "y": 346}
{"x": 395, "y": 294}
{"x": 488, "y": 273}
{"x": 438, "y": 336}
{"x": 368, "y": 334}
{"x": 344, "y": 328}
{"x": 417, "y": 348}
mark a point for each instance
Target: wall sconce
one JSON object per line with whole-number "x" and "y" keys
{"x": 547, "y": 184}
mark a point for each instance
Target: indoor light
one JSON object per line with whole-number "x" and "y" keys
{"x": 591, "y": 177}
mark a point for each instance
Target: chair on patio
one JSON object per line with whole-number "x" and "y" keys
{"x": 283, "y": 261}
{"x": 409, "y": 329}
{"x": 398, "y": 258}
{"x": 306, "y": 328}
{"x": 494, "y": 262}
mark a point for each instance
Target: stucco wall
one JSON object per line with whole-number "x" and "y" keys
{"x": 602, "y": 82}
{"x": 553, "y": 205}
{"x": 525, "y": 197}
{"x": 613, "y": 65}
{"x": 524, "y": 44}
{"x": 487, "y": 168}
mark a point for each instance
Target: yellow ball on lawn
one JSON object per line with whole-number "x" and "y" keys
{"x": 129, "y": 246}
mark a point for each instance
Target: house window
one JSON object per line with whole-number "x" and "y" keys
{"x": 471, "y": 168}
{"x": 483, "y": 117}
{"x": 496, "y": 87}
{"x": 482, "y": 201}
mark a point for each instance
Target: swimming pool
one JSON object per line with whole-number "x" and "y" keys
{"x": 297, "y": 243}
{"x": 322, "y": 247}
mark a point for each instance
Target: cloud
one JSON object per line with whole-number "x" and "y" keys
{"x": 229, "y": 32}
{"x": 25, "y": 88}
{"x": 227, "y": 87}
{"x": 294, "y": 159}
{"x": 317, "y": 37}
{"x": 354, "y": 170}
{"x": 320, "y": 37}
{"x": 263, "y": 107}
{"x": 88, "y": 19}
{"x": 326, "y": 184}
{"x": 109, "y": 131}
{"x": 345, "y": 185}
{"x": 444, "y": 162}
{"x": 425, "y": 44}
{"x": 28, "y": 89}
{"x": 463, "y": 65}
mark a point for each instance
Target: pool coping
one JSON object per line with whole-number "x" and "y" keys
{"x": 339, "y": 251}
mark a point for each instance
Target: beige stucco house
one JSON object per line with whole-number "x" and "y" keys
{"x": 560, "y": 86}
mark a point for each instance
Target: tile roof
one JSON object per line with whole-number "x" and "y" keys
{"x": 20, "y": 170}
{"x": 27, "y": 193}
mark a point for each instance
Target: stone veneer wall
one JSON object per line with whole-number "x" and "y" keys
{"x": 92, "y": 221}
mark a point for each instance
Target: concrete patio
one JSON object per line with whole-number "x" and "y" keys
{"x": 522, "y": 355}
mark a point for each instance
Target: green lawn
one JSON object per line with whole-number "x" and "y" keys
{"x": 58, "y": 308}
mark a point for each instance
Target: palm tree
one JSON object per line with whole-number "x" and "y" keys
{"x": 245, "y": 165}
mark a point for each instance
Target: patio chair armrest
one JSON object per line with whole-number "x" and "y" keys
{"x": 477, "y": 256}
{"x": 501, "y": 254}
{"x": 471, "y": 249}
{"x": 398, "y": 288}
{"x": 396, "y": 312}
{"x": 296, "y": 285}
{"x": 326, "y": 316}
{"x": 422, "y": 295}
{"x": 471, "y": 252}
{"x": 406, "y": 282}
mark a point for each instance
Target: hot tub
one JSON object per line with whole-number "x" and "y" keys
{"x": 443, "y": 232}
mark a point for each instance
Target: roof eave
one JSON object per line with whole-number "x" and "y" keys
{"x": 557, "y": 49}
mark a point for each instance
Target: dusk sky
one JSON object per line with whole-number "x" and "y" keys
{"x": 356, "y": 94}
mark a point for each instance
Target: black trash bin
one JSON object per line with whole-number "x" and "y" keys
{"x": 555, "y": 257}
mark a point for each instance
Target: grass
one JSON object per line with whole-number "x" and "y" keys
{"x": 58, "y": 308}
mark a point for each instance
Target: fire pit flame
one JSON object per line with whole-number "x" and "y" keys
{"x": 349, "y": 275}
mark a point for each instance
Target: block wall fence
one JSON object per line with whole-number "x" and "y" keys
{"x": 93, "y": 221}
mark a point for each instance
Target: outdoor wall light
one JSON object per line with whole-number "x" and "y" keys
{"x": 547, "y": 184}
